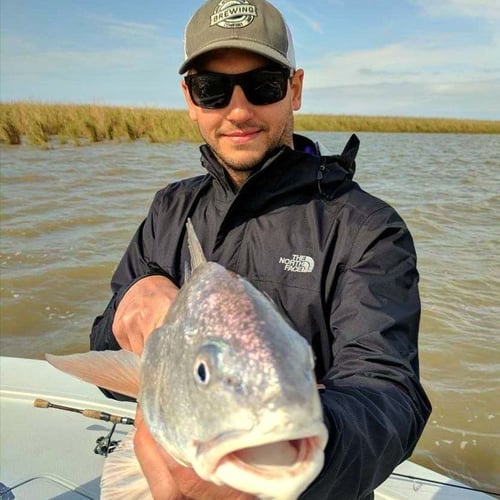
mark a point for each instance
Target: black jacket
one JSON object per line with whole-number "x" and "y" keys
{"x": 339, "y": 263}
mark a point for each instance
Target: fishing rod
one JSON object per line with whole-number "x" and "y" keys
{"x": 98, "y": 415}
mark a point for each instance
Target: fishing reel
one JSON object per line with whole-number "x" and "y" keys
{"x": 105, "y": 445}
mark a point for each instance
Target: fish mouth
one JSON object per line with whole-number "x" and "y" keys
{"x": 273, "y": 462}
{"x": 277, "y": 469}
{"x": 274, "y": 459}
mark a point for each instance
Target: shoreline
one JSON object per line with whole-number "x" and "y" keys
{"x": 38, "y": 124}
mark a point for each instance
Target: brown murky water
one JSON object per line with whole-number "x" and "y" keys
{"x": 68, "y": 213}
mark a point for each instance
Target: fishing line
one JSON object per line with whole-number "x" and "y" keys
{"x": 441, "y": 483}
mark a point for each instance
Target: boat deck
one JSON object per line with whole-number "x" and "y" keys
{"x": 49, "y": 453}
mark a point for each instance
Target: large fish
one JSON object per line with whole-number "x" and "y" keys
{"x": 226, "y": 386}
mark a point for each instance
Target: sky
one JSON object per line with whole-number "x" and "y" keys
{"x": 423, "y": 58}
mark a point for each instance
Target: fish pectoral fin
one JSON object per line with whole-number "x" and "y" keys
{"x": 116, "y": 371}
{"x": 122, "y": 477}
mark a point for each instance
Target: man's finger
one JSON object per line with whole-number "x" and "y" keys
{"x": 154, "y": 468}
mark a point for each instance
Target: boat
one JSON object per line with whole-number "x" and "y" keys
{"x": 51, "y": 448}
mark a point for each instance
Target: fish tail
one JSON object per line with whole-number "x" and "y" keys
{"x": 122, "y": 477}
{"x": 197, "y": 255}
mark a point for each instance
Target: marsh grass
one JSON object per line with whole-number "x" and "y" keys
{"x": 39, "y": 124}
{"x": 395, "y": 124}
{"x": 9, "y": 133}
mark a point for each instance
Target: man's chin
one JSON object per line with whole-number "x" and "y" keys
{"x": 242, "y": 161}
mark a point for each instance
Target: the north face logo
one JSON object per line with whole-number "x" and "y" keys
{"x": 297, "y": 263}
{"x": 233, "y": 14}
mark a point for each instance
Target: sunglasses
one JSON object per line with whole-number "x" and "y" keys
{"x": 261, "y": 86}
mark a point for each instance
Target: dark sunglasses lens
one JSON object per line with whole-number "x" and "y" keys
{"x": 214, "y": 90}
{"x": 266, "y": 87}
{"x": 209, "y": 90}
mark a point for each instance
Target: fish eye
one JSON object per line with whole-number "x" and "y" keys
{"x": 207, "y": 364}
{"x": 202, "y": 373}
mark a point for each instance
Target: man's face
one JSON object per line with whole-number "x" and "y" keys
{"x": 241, "y": 134}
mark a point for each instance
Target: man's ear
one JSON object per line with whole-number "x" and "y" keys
{"x": 191, "y": 106}
{"x": 296, "y": 84}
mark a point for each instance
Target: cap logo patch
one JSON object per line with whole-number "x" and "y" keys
{"x": 233, "y": 14}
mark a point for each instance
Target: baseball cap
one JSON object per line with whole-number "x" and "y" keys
{"x": 253, "y": 25}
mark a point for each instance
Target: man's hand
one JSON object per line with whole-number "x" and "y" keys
{"x": 142, "y": 309}
{"x": 167, "y": 479}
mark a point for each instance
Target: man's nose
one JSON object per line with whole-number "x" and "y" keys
{"x": 239, "y": 108}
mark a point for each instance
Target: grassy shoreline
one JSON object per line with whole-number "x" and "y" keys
{"x": 38, "y": 123}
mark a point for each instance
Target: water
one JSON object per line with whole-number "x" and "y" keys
{"x": 68, "y": 213}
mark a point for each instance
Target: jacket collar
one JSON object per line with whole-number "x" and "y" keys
{"x": 210, "y": 161}
{"x": 287, "y": 170}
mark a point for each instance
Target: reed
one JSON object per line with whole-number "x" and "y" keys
{"x": 9, "y": 133}
{"x": 344, "y": 123}
{"x": 41, "y": 123}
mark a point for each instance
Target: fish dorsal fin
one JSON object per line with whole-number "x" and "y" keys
{"x": 116, "y": 371}
{"x": 195, "y": 250}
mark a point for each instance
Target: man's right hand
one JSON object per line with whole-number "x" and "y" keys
{"x": 143, "y": 308}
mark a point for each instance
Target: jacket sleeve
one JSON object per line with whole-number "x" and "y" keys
{"x": 374, "y": 406}
{"x": 135, "y": 264}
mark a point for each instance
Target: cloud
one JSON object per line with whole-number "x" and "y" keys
{"x": 128, "y": 29}
{"x": 428, "y": 62}
{"x": 451, "y": 100}
{"x": 142, "y": 33}
{"x": 138, "y": 34}
{"x": 439, "y": 75}
{"x": 289, "y": 7}
{"x": 61, "y": 61}
{"x": 24, "y": 55}
{"x": 485, "y": 9}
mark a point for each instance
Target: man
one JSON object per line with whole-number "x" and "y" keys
{"x": 339, "y": 263}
